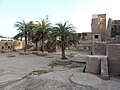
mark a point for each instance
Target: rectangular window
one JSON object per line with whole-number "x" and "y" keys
{"x": 96, "y": 36}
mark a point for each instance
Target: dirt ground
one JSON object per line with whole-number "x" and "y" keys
{"x": 32, "y": 72}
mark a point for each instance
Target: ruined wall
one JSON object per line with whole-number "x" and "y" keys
{"x": 98, "y": 27}
{"x": 109, "y": 26}
{"x": 8, "y": 46}
{"x": 113, "y": 31}
{"x": 85, "y": 41}
{"x": 99, "y": 48}
{"x": 18, "y": 45}
{"x": 115, "y": 40}
{"x": 93, "y": 65}
{"x": 113, "y": 54}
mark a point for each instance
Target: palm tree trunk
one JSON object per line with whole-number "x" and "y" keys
{"x": 63, "y": 48}
{"x": 42, "y": 47}
{"x": 63, "y": 53}
{"x": 25, "y": 41}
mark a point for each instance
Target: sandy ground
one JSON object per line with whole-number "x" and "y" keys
{"x": 31, "y": 72}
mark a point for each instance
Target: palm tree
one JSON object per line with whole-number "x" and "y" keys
{"x": 31, "y": 31}
{"x": 66, "y": 33}
{"x": 42, "y": 31}
{"x": 23, "y": 27}
{"x": 19, "y": 35}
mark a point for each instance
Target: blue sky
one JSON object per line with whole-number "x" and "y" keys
{"x": 77, "y": 12}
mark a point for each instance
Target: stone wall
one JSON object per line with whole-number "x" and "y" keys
{"x": 117, "y": 39}
{"x": 98, "y": 26}
{"x": 113, "y": 31}
{"x": 99, "y": 48}
{"x": 18, "y": 45}
{"x": 85, "y": 42}
{"x": 113, "y": 54}
{"x": 109, "y": 27}
{"x": 7, "y": 46}
{"x": 97, "y": 64}
{"x": 113, "y": 40}
{"x": 93, "y": 65}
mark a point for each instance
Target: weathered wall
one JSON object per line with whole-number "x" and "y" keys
{"x": 99, "y": 48}
{"x": 85, "y": 41}
{"x": 113, "y": 31}
{"x": 113, "y": 54}
{"x": 7, "y": 46}
{"x": 93, "y": 65}
{"x": 97, "y": 64}
{"x": 98, "y": 27}
{"x": 104, "y": 68}
{"x": 18, "y": 45}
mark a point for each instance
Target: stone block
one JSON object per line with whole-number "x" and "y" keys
{"x": 93, "y": 65}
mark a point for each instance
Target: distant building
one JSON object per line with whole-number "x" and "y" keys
{"x": 85, "y": 41}
{"x": 8, "y": 44}
{"x": 89, "y": 41}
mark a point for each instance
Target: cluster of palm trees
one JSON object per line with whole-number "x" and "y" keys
{"x": 43, "y": 30}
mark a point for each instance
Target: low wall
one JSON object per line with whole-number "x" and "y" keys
{"x": 93, "y": 64}
{"x": 97, "y": 64}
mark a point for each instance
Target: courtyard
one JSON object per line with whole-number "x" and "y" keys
{"x": 32, "y": 72}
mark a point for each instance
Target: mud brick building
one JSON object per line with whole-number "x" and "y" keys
{"x": 106, "y": 42}
{"x": 85, "y": 41}
{"x": 9, "y": 45}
